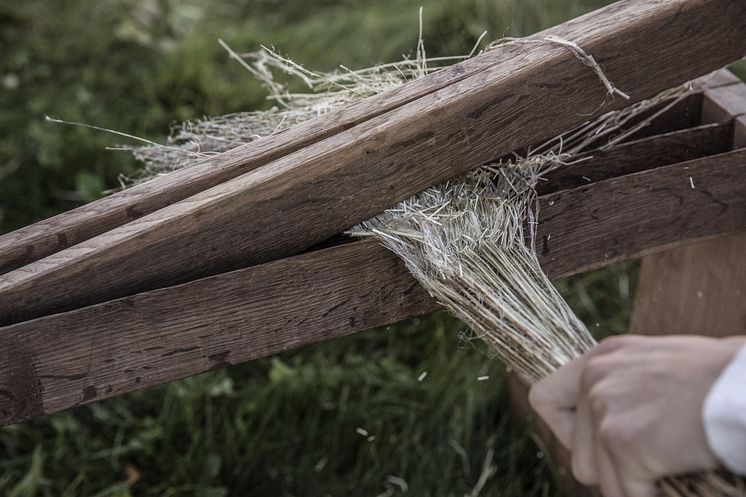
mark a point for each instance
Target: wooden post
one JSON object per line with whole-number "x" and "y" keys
{"x": 695, "y": 289}
{"x": 700, "y": 288}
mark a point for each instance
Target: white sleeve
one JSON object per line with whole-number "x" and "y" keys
{"x": 724, "y": 415}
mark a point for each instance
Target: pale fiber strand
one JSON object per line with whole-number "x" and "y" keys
{"x": 470, "y": 242}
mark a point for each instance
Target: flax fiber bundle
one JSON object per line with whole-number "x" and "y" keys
{"x": 469, "y": 241}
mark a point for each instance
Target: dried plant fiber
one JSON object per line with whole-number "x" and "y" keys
{"x": 469, "y": 241}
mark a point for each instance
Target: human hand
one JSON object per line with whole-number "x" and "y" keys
{"x": 630, "y": 410}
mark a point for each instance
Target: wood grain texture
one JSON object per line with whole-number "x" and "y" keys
{"x": 639, "y": 155}
{"x": 701, "y": 288}
{"x": 73, "y": 358}
{"x": 683, "y": 115}
{"x": 636, "y": 209}
{"x": 739, "y": 134}
{"x": 724, "y": 103}
{"x": 44, "y": 238}
{"x": 297, "y": 201}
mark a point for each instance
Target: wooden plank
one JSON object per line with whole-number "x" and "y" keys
{"x": 687, "y": 113}
{"x": 639, "y": 155}
{"x": 683, "y": 115}
{"x": 73, "y": 358}
{"x": 44, "y": 238}
{"x": 306, "y": 197}
{"x": 634, "y": 209}
{"x": 699, "y": 289}
{"x": 723, "y": 77}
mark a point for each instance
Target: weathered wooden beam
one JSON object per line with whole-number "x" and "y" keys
{"x": 49, "y": 236}
{"x": 73, "y": 358}
{"x": 724, "y": 103}
{"x": 591, "y": 226}
{"x": 700, "y": 288}
{"x": 290, "y": 204}
{"x": 639, "y": 155}
{"x": 44, "y": 238}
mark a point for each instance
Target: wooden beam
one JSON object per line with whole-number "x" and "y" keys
{"x": 73, "y": 358}
{"x": 595, "y": 225}
{"x": 49, "y": 236}
{"x": 701, "y": 288}
{"x": 724, "y": 103}
{"x": 639, "y": 155}
{"x": 295, "y": 202}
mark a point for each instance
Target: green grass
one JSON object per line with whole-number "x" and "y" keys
{"x": 285, "y": 425}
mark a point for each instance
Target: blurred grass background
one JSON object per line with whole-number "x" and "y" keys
{"x": 295, "y": 424}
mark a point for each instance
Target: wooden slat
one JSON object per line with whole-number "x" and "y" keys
{"x": 723, "y": 77}
{"x": 632, "y": 157}
{"x": 683, "y": 115}
{"x": 635, "y": 211}
{"x": 295, "y": 202}
{"x": 44, "y": 238}
{"x": 701, "y": 288}
{"x": 687, "y": 113}
{"x": 73, "y": 358}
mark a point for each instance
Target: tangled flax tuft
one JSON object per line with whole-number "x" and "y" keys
{"x": 468, "y": 241}
{"x": 466, "y": 244}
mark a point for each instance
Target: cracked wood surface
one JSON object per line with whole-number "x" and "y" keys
{"x": 69, "y": 359}
{"x": 303, "y": 198}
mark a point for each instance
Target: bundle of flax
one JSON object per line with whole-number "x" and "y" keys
{"x": 469, "y": 241}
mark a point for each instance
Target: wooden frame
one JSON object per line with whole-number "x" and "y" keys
{"x": 699, "y": 288}
{"x": 696, "y": 288}
{"x": 73, "y": 358}
{"x": 277, "y": 210}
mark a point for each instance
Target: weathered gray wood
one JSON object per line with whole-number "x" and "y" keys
{"x": 303, "y": 198}
{"x": 73, "y": 358}
{"x": 724, "y": 103}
